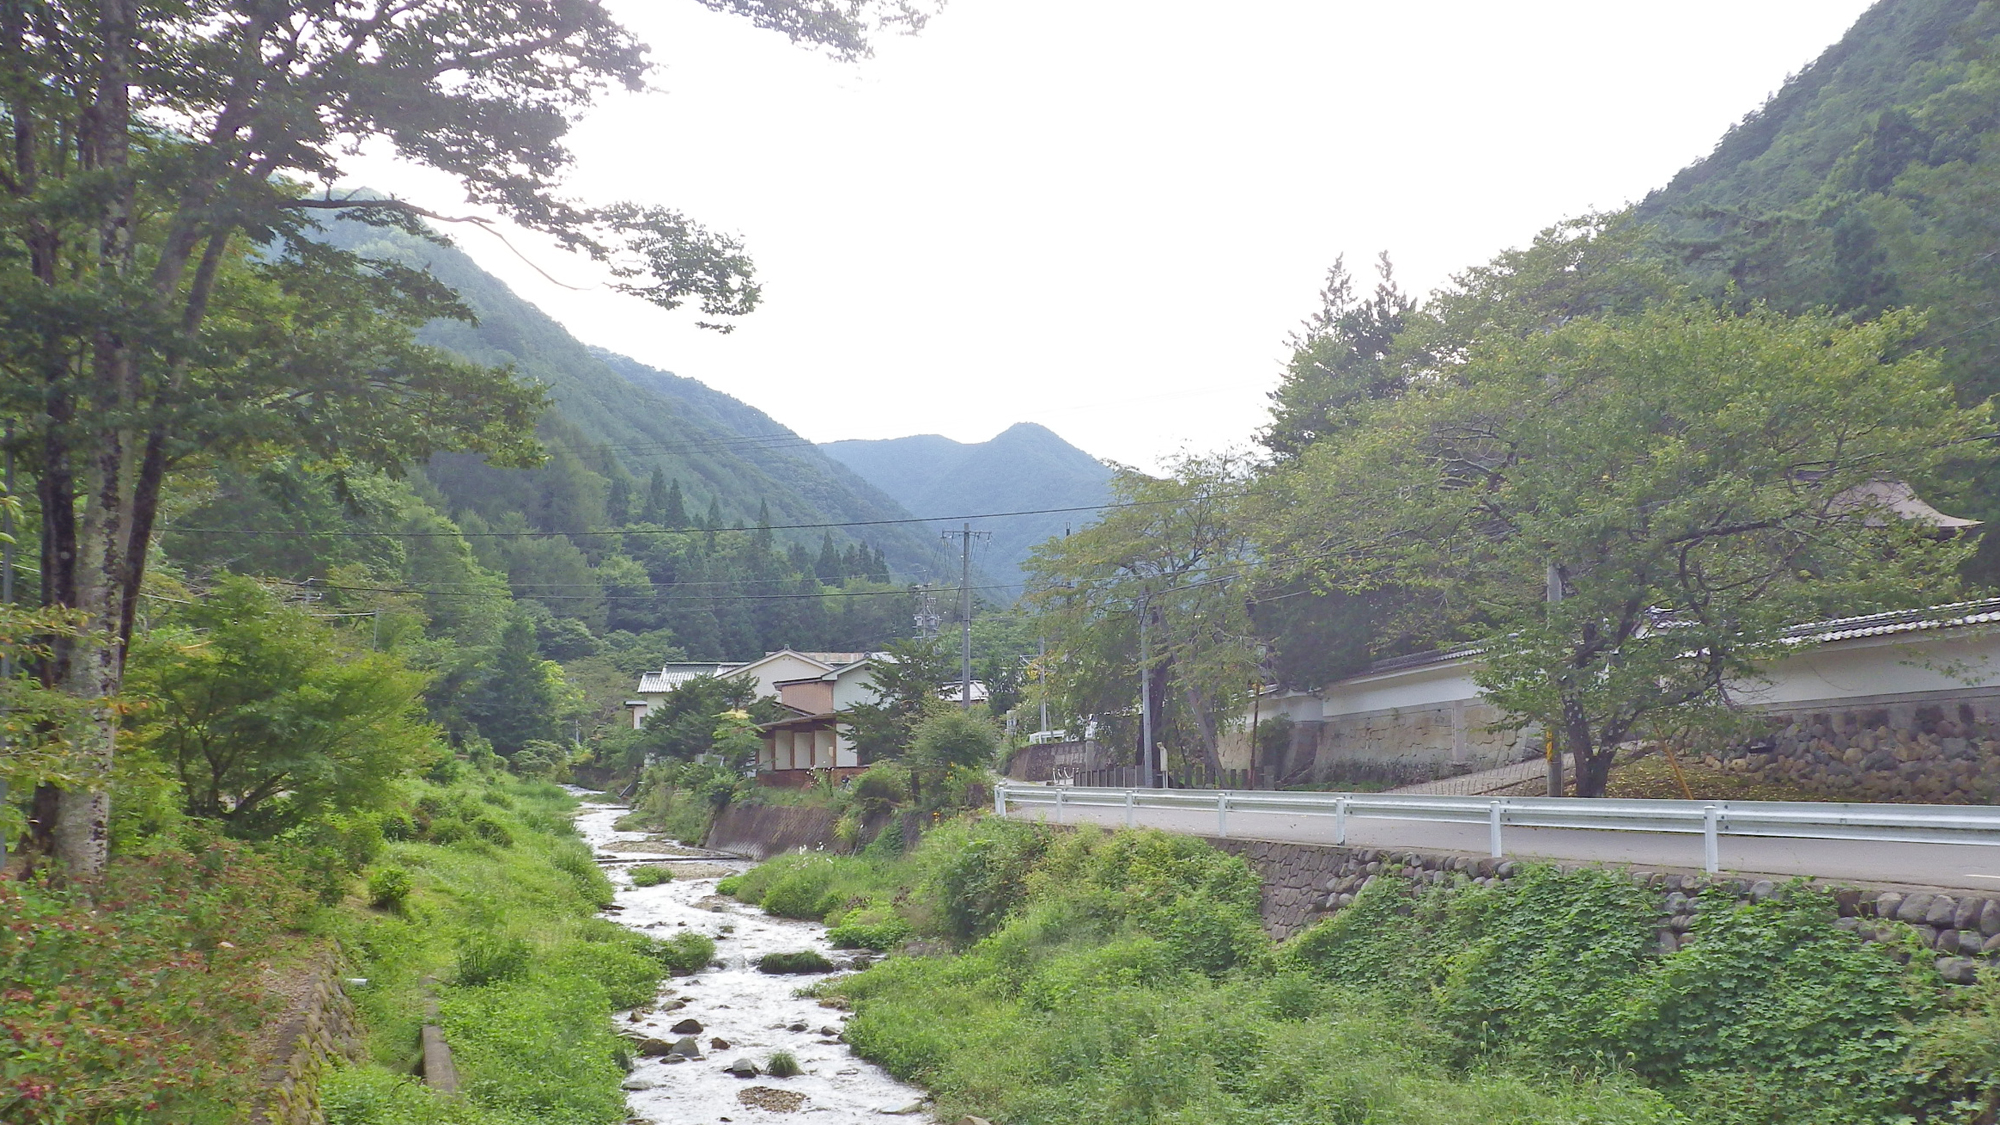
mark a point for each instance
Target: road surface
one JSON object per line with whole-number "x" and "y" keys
{"x": 1961, "y": 866}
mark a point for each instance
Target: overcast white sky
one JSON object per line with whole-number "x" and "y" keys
{"x": 1105, "y": 215}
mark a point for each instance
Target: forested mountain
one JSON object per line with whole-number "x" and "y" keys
{"x": 1024, "y": 468}
{"x": 724, "y": 452}
{"x": 1870, "y": 181}
{"x": 648, "y": 534}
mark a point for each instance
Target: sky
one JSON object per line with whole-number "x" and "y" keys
{"x": 1106, "y": 216}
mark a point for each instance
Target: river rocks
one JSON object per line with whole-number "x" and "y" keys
{"x": 771, "y": 1099}
{"x": 1888, "y": 903}
{"x": 1992, "y": 946}
{"x": 1941, "y": 912}
{"x": 687, "y": 1027}
{"x": 687, "y": 1048}
{"x": 1989, "y": 917}
{"x": 718, "y": 1044}
{"x": 1946, "y": 941}
{"x": 1966, "y": 917}
{"x": 743, "y": 1068}
{"x": 637, "y": 1083}
{"x": 1958, "y": 970}
{"x": 655, "y": 1048}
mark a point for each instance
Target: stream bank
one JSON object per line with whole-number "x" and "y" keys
{"x": 753, "y": 1014}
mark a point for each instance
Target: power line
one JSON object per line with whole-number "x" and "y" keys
{"x": 830, "y": 525}
{"x": 665, "y": 592}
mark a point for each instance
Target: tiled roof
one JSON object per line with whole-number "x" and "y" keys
{"x": 1954, "y": 615}
{"x": 674, "y": 675}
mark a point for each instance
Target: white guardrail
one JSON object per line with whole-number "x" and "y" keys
{"x": 1920, "y": 824}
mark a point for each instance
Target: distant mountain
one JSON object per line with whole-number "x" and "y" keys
{"x": 718, "y": 447}
{"x": 1025, "y": 468}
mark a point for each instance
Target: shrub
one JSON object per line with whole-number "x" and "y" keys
{"x": 801, "y": 892}
{"x": 493, "y": 832}
{"x": 683, "y": 953}
{"x": 803, "y": 961}
{"x": 490, "y": 958}
{"x": 729, "y": 885}
{"x": 783, "y": 1064}
{"x": 388, "y": 887}
{"x": 871, "y": 927}
{"x": 651, "y": 875}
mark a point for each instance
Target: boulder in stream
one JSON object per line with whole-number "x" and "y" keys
{"x": 687, "y": 1048}
{"x": 743, "y": 1068}
{"x": 687, "y": 1027}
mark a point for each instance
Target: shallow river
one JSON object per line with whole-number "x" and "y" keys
{"x": 753, "y": 1012}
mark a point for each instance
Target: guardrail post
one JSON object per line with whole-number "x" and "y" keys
{"x": 1493, "y": 828}
{"x": 1711, "y": 851}
{"x": 1059, "y": 804}
{"x": 1222, "y": 814}
{"x": 1131, "y": 800}
{"x": 1000, "y": 799}
{"x": 1340, "y": 820}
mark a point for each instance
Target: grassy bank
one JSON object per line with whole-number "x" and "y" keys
{"x": 1086, "y": 976}
{"x": 153, "y": 1000}
{"x": 498, "y": 925}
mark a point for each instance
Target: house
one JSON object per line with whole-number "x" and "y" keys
{"x": 768, "y": 671}
{"x": 813, "y": 737}
{"x": 814, "y": 686}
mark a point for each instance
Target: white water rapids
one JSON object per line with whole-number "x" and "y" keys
{"x": 754, "y": 1012}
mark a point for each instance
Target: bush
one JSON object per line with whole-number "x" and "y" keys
{"x": 651, "y": 875}
{"x": 873, "y": 927}
{"x": 783, "y": 1064}
{"x": 683, "y": 953}
{"x": 803, "y": 961}
{"x": 489, "y": 958}
{"x": 802, "y": 891}
{"x": 729, "y": 885}
{"x": 388, "y": 887}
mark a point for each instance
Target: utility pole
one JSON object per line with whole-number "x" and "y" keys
{"x": 1555, "y": 756}
{"x": 1041, "y": 669}
{"x": 965, "y": 535}
{"x": 1145, "y": 699}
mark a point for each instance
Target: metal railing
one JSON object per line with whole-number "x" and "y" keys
{"x": 1922, "y": 824}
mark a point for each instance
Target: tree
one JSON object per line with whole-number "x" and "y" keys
{"x": 1341, "y": 360}
{"x": 1172, "y": 550}
{"x": 1689, "y": 481}
{"x": 907, "y": 679}
{"x": 268, "y": 716}
{"x": 516, "y": 700}
{"x": 686, "y": 721}
{"x": 158, "y": 150}
{"x": 955, "y": 738}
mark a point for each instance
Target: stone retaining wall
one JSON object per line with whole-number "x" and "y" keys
{"x": 1304, "y": 883}
{"x": 1887, "y": 749}
{"x": 320, "y": 1030}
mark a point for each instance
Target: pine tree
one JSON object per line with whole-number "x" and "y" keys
{"x": 618, "y": 500}
{"x": 656, "y": 499}
{"x": 674, "y": 513}
{"x": 515, "y": 702}
{"x": 828, "y": 569}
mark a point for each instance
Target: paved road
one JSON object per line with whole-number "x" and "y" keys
{"x": 1937, "y": 865}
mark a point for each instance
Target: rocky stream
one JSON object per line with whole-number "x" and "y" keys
{"x": 702, "y": 1052}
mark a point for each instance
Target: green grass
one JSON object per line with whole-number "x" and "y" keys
{"x": 1124, "y": 978}
{"x": 651, "y": 875}
{"x": 504, "y": 935}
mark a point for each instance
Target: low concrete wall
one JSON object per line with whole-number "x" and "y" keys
{"x": 1304, "y": 883}
{"x": 762, "y": 831}
{"x": 320, "y": 1030}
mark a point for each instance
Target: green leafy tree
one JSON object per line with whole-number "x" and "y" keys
{"x": 684, "y": 724}
{"x": 955, "y": 738}
{"x": 158, "y": 148}
{"x": 518, "y": 698}
{"x": 269, "y": 716}
{"x": 1690, "y": 481}
{"x": 1341, "y": 361}
{"x": 1176, "y": 551}
{"x": 907, "y": 679}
